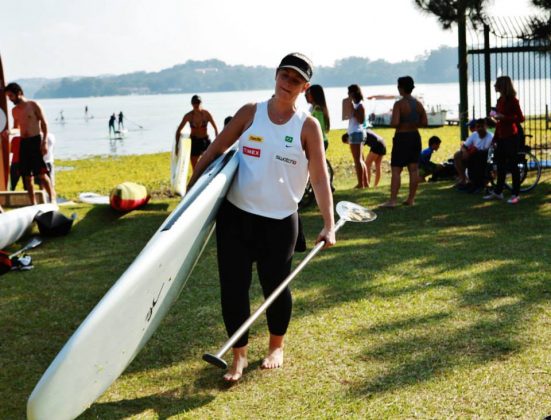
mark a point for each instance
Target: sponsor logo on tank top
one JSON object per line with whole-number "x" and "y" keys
{"x": 286, "y": 160}
{"x": 250, "y": 151}
{"x": 289, "y": 139}
{"x": 256, "y": 138}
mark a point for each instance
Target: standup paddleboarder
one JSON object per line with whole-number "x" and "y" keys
{"x": 29, "y": 118}
{"x": 279, "y": 146}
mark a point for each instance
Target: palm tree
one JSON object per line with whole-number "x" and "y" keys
{"x": 541, "y": 25}
{"x": 451, "y": 11}
{"x": 448, "y": 13}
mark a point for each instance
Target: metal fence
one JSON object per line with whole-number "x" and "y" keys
{"x": 503, "y": 46}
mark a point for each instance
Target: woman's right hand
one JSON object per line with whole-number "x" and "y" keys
{"x": 328, "y": 236}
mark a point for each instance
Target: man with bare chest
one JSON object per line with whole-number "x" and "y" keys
{"x": 29, "y": 118}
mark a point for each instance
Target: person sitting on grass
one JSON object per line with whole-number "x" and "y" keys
{"x": 472, "y": 156}
{"x": 426, "y": 167}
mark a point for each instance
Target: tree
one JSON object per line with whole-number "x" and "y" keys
{"x": 450, "y": 11}
{"x": 541, "y": 25}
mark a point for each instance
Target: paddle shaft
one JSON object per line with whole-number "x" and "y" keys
{"x": 269, "y": 300}
{"x": 133, "y": 122}
{"x": 32, "y": 244}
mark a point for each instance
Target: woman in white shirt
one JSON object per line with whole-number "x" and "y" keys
{"x": 279, "y": 147}
{"x": 356, "y": 134}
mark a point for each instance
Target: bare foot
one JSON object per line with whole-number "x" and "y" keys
{"x": 409, "y": 203}
{"x": 235, "y": 372}
{"x": 388, "y": 205}
{"x": 274, "y": 358}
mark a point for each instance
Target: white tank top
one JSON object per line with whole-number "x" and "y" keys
{"x": 273, "y": 169}
{"x": 353, "y": 125}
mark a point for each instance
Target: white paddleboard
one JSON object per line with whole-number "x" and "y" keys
{"x": 179, "y": 166}
{"x": 126, "y": 317}
{"x": 93, "y": 198}
{"x": 14, "y": 223}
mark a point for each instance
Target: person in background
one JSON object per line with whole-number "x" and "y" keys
{"x": 377, "y": 149}
{"x": 426, "y": 167}
{"x": 15, "y": 172}
{"x": 121, "y": 121}
{"x": 49, "y": 157}
{"x": 356, "y": 134}
{"x": 315, "y": 96}
{"x": 408, "y": 115}
{"x": 508, "y": 117}
{"x": 279, "y": 147}
{"x": 198, "y": 119}
{"x": 112, "y": 120}
{"x": 29, "y": 118}
{"x": 49, "y": 160}
{"x": 473, "y": 155}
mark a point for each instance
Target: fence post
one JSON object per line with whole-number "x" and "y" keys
{"x": 462, "y": 65}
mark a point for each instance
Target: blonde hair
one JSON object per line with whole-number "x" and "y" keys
{"x": 504, "y": 85}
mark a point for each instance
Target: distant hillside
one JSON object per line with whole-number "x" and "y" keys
{"x": 437, "y": 66}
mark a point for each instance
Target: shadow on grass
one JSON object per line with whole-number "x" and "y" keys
{"x": 41, "y": 308}
{"x": 441, "y": 244}
{"x": 455, "y": 235}
{"x": 163, "y": 405}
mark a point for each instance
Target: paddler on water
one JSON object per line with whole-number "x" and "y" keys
{"x": 279, "y": 146}
{"x": 29, "y": 118}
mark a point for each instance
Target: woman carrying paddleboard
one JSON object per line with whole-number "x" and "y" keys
{"x": 258, "y": 222}
{"x": 198, "y": 119}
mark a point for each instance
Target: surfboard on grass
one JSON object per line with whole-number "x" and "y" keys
{"x": 179, "y": 166}
{"x": 93, "y": 198}
{"x": 126, "y": 317}
{"x": 4, "y": 142}
{"x": 15, "y": 223}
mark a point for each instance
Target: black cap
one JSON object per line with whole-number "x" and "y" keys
{"x": 195, "y": 99}
{"x": 298, "y": 62}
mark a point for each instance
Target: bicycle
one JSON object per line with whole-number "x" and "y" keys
{"x": 309, "y": 196}
{"x": 529, "y": 168}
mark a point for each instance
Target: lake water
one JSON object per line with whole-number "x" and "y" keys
{"x": 159, "y": 115}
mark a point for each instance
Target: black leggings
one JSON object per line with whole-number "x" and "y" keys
{"x": 506, "y": 156}
{"x": 243, "y": 238}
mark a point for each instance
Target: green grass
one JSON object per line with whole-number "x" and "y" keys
{"x": 435, "y": 311}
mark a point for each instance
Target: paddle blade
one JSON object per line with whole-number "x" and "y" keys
{"x": 33, "y": 243}
{"x": 214, "y": 360}
{"x": 352, "y": 212}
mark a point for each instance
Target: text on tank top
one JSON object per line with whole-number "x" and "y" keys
{"x": 273, "y": 169}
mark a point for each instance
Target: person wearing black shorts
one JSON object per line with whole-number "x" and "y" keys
{"x": 377, "y": 149}
{"x": 31, "y": 159}
{"x": 408, "y": 114}
{"x": 199, "y": 145}
{"x": 198, "y": 119}
{"x": 29, "y": 118}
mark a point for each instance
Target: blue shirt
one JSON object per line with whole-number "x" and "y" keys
{"x": 425, "y": 155}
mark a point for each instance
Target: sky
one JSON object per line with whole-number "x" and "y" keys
{"x": 57, "y": 38}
